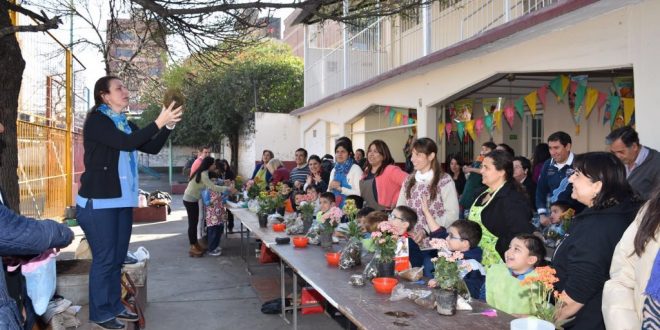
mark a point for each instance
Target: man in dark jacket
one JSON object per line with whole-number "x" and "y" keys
{"x": 642, "y": 163}
{"x": 25, "y": 236}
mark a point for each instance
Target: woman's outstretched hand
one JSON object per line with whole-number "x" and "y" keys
{"x": 169, "y": 116}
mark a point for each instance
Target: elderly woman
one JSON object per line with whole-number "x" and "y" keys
{"x": 278, "y": 172}
{"x": 632, "y": 290}
{"x": 345, "y": 176}
{"x": 502, "y": 210}
{"x": 583, "y": 258}
{"x": 381, "y": 180}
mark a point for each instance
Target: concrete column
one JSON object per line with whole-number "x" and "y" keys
{"x": 306, "y": 61}
{"x": 427, "y": 121}
{"x": 345, "y": 34}
{"x": 426, "y": 29}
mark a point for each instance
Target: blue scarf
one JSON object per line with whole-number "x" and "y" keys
{"x": 341, "y": 172}
{"x": 653, "y": 285}
{"x": 121, "y": 122}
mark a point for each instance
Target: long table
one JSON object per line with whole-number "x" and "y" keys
{"x": 249, "y": 223}
{"x": 366, "y": 308}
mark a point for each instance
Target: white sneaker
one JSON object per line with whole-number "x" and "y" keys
{"x": 216, "y": 252}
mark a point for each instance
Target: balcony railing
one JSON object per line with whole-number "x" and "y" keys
{"x": 390, "y": 42}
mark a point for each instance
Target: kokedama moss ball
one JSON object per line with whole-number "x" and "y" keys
{"x": 174, "y": 94}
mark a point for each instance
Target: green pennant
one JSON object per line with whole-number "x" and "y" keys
{"x": 488, "y": 120}
{"x": 392, "y": 115}
{"x": 613, "y": 107}
{"x": 580, "y": 93}
{"x": 520, "y": 106}
{"x": 461, "y": 130}
{"x": 555, "y": 87}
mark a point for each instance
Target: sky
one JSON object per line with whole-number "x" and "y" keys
{"x": 89, "y": 56}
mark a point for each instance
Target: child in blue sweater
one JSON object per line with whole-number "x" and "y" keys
{"x": 464, "y": 236}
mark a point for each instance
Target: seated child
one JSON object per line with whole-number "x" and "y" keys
{"x": 215, "y": 216}
{"x": 326, "y": 202}
{"x": 313, "y": 193}
{"x": 464, "y": 236}
{"x": 408, "y": 218}
{"x": 359, "y": 218}
{"x": 369, "y": 225}
{"x": 503, "y": 288}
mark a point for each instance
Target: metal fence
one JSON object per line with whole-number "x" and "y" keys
{"x": 390, "y": 42}
{"x": 51, "y": 109}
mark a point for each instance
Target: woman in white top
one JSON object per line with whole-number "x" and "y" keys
{"x": 345, "y": 176}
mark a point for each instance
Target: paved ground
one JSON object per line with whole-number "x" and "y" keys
{"x": 201, "y": 293}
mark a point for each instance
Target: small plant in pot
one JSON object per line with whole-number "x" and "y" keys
{"x": 351, "y": 253}
{"x": 385, "y": 240}
{"x": 328, "y": 222}
{"x": 306, "y": 209}
{"x": 447, "y": 281}
{"x": 268, "y": 201}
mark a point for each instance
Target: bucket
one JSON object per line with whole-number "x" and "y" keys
{"x": 73, "y": 280}
{"x": 531, "y": 323}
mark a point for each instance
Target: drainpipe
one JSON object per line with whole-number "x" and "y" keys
{"x": 426, "y": 29}
{"x": 345, "y": 32}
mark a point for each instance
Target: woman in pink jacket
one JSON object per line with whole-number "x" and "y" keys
{"x": 382, "y": 179}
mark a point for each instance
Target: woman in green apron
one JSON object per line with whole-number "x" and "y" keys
{"x": 382, "y": 180}
{"x": 503, "y": 210}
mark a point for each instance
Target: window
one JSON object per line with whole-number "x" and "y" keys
{"x": 124, "y": 52}
{"x": 533, "y": 131}
{"x": 125, "y": 36}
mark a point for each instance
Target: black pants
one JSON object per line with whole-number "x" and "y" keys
{"x": 192, "y": 208}
{"x": 230, "y": 220}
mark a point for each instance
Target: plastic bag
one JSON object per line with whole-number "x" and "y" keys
{"x": 206, "y": 197}
{"x": 351, "y": 254}
{"x": 427, "y": 302}
{"x": 399, "y": 293}
{"x": 412, "y": 274}
{"x": 40, "y": 279}
{"x": 141, "y": 254}
{"x": 371, "y": 270}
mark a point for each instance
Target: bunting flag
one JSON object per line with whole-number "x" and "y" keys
{"x": 530, "y": 99}
{"x": 590, "y": 100}
{"x": 628, "y": 109}
{"x": 498, "y": 120}
{"x": 555, "y": 87}
{"x": 542, "y": 92}
{"x": 479, "y": 126}
{"x": 602, "y": 99}
{"x": 461, "y": 130}
{"x": 441, "y": 130}
{"x": 387, "y": 111}
{"x": 411, "y": 120}
{"x": 614, "y": 103}
{"x": 508, "y": 114}
{"x": 520, "y": 108}
{"x": 398, "y": 117}
{"x": 580, "y": 93}
{"x": 469, "y": 127}
{"x": 405, "y": 119}
{"x": 489, "y": 123}
{"x": 565, "y": 81}
{"x": 392, "y": 115}
{"x": 448, "y": 129}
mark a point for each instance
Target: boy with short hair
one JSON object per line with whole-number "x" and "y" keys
{"x": 407, "y": 217}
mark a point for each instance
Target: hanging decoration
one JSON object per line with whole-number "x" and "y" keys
{"x": 387, "y": 111}
{"x": 397, "y": 118}
{"x": 614, "y": 102}
{"x": 498, "y": 120}
{"x": 441, "y": 130}
{"x": 469, "y": 127}
{"x": 520, "y": 108}
{"x": 530, "y": 99}
{"x": 464, "y": 109}
{"x": 542, "y": 93}
{"x": 392, "y": 115}
{"x": 508, "y": 114}
{"x": 492, "y": 104}
{"x": 479, "y": 126}
{"x": 590, "y": 101}
{"x": 488, "y": 120}
{"x": 602, "y": 99}
{"x": 628, "y": 109}
{"x": 555, "y": 87}
{"x": 448, "y": 127}
{"x": 565, "y": 81}
{"x": 405, "y": 119}
{"x": 460, "y": 129}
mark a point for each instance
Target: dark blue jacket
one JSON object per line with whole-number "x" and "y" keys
{"x": 24, "y": 236}
{"x": 257, "y": 168}
{"x": 474, "y": 280}
{"x": 554, "y": 183}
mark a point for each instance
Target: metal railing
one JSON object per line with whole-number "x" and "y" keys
{"x": 51, "y": 109}
{"x": 390, "y": 42}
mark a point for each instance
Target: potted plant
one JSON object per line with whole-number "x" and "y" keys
{"x": 447, "y": 282}
{"x": 283, "y": 192}
{"x": 328, "y": 222}
{"x": 306, "y": 210}
{"x": 385, "y": 240}
{"x": 351, "y": 253}
{"x": 268, "y": 201}
{"x": 541, "y": 290}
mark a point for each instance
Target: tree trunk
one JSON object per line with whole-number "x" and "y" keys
{"x": 233, "y": 144}
{"x": 11, "y": 75}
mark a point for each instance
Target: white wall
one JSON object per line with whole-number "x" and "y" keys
{"x": 597, "y": 37}
{"x": 180, "y": 156}
{"x": 315, "y": 139}
{"x": 278, "y": 132}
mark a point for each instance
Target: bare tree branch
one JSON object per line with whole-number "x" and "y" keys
{"x": 46, "y": 22}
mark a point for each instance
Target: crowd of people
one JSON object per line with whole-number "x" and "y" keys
{"x": 593, "y": 217}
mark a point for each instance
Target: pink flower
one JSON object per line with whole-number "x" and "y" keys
{"x": 438, "y": 243}
{"x": 376, "y": 234}
{"x": 381, "y": 241}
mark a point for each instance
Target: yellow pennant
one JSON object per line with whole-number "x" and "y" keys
{"x": 628, "y": 109}
{"x": 469, "y": 127}
{"x": 498, "y": 120}
{"x": 565, "y": 81}
{"x": 530, "y": 99}
{"x": 441, "y": 130}
{"x": 590, "y": 100}
{"x": 398, "y": 118}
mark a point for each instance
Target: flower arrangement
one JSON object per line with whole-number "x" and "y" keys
{"x": 269, "y": 201}
{"x": 350, "y": 210}
{"x": 305, "y": 205}
{"x": 447, "y": 271}
{"x": 329, "y": 220}
{"x": 252, "y": 188}
{"x": 566, "y": 218}
{"x": 541, "y": 290}
{"x": 385, "y": 240}
{"x": 239, "y": 183}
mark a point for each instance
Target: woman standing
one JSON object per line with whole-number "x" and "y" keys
{"x": 345, "y": 176}
{"x": 225, "y": 170}
{"x": 109, "y": 191}
{"x": 502, "y": 210}
{"x": 456, "y": 172}
{"x": 260, "y": 173}
{"x": 382, "y": 179}
{"x": 584, "y": 256}
{"x": 199, "y": 181}
{"x": 317, "y": 176}
{"x": 633, "y": 292}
